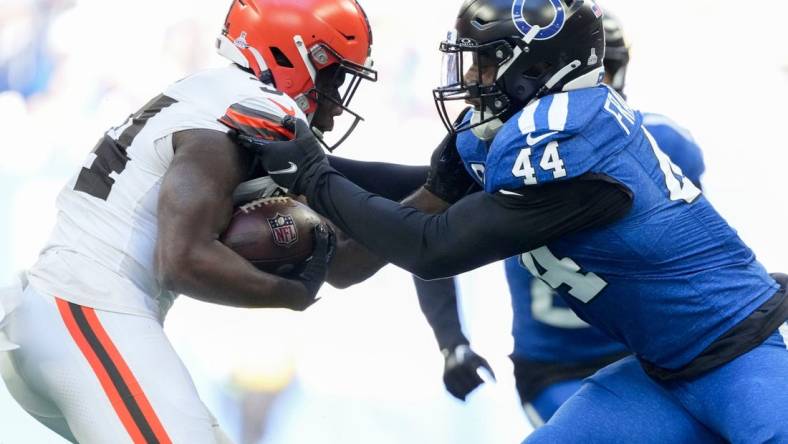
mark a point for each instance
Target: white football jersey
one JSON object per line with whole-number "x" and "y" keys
{"x": 101, "y": 253}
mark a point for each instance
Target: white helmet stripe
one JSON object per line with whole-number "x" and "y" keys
{"x": 587, "y": 80}
{"x": 226, "y": 48}
{"x": 505, "y": 67}
{"x": 563, "y": 72}
{"x": 258, "y": 58}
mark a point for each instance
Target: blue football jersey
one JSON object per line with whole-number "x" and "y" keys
{"x": 666, "y": 280}
{"x": 544, "y": 328}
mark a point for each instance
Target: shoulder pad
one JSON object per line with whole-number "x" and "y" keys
{"x": 569, "y": 112}
{"x": 229, "y": 97}
{"x": 678, "y": 144}
{"x": 652, "y": 120}
{"x": 252, "y": 107}
{"x": 261, "y": 117}
{"x": 558, "y": 137}
{"x": 473, "y": 152}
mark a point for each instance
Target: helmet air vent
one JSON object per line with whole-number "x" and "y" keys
{"x": 349, "y": 38}
{"x": 482, "y": 24}
{"x": 281, "y": 58}
{"x": 537, "y": 70}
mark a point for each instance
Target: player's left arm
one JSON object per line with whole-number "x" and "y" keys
{"x": 679, "y": 144}
{"x": 691, "y": 160}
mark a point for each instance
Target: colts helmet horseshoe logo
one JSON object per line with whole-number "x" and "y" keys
{"x": 525, "y": 13}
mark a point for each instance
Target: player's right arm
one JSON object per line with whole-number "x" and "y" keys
{"x": 481, "y": 228}
{"x": 353, "y": 263}
{"x": 195, "y": 205}
{"x": 444, "y": 181}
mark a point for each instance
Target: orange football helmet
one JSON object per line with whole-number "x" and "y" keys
{"x": 286, "y": 43}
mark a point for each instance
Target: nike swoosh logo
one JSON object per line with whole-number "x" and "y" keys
{"x": 292, "y": 169}
{"x": 531, "y": 140}
{"x": 289, "y": 111}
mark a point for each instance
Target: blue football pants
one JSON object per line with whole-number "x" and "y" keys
{"x": 743, "y": 401}
{"x": 545, "y": 404}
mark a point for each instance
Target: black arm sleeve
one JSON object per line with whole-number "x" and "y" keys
{"x": 479, "y": 229}
{"x": 390, "y": 180}
{"x": 438, "y": 302}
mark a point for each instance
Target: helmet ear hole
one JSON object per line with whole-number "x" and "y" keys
{"x": 537, "y": 70}
{"x": 280, "y": 57}
{"x": 524, "y": 90}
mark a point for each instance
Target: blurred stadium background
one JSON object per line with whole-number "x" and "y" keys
{"x": 362, "y": 366}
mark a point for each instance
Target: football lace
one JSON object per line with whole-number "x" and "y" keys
{"x": 255, "y": 204}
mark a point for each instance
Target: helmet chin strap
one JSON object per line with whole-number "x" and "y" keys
{"x": 317, "y": 132}
{"x": 487, "y": 130}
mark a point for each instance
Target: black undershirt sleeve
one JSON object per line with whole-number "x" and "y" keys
{"x": 437, "y": 298}
{"x": 390, "y": 180}
{"x": 479, "y": 229}
{"x": 438, "y": 302}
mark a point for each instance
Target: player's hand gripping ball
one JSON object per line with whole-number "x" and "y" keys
{"x": 273, "y": 233}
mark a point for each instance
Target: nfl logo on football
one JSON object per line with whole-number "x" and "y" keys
{"x": 284, "y": 230}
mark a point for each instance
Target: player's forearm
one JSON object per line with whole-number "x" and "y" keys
{"x": 214, "y": 273}
{"x": 354, "y": 263}
{"x": 390, "y": 180}
{"x": 426, "y": 202}
{"x": 388, "y": 229}
{"x": 438, "y": 302}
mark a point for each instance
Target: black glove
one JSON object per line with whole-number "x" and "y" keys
{"x": 448, "y": 179}
{"x": 314, "y": 273}
{"x": 290, "y": 163}
{"x": 460, "y": 370}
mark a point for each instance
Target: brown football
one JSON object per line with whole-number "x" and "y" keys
{"x": 273, "y": 233}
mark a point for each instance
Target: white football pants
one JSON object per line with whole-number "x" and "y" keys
{"x": 98, "y": 377}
